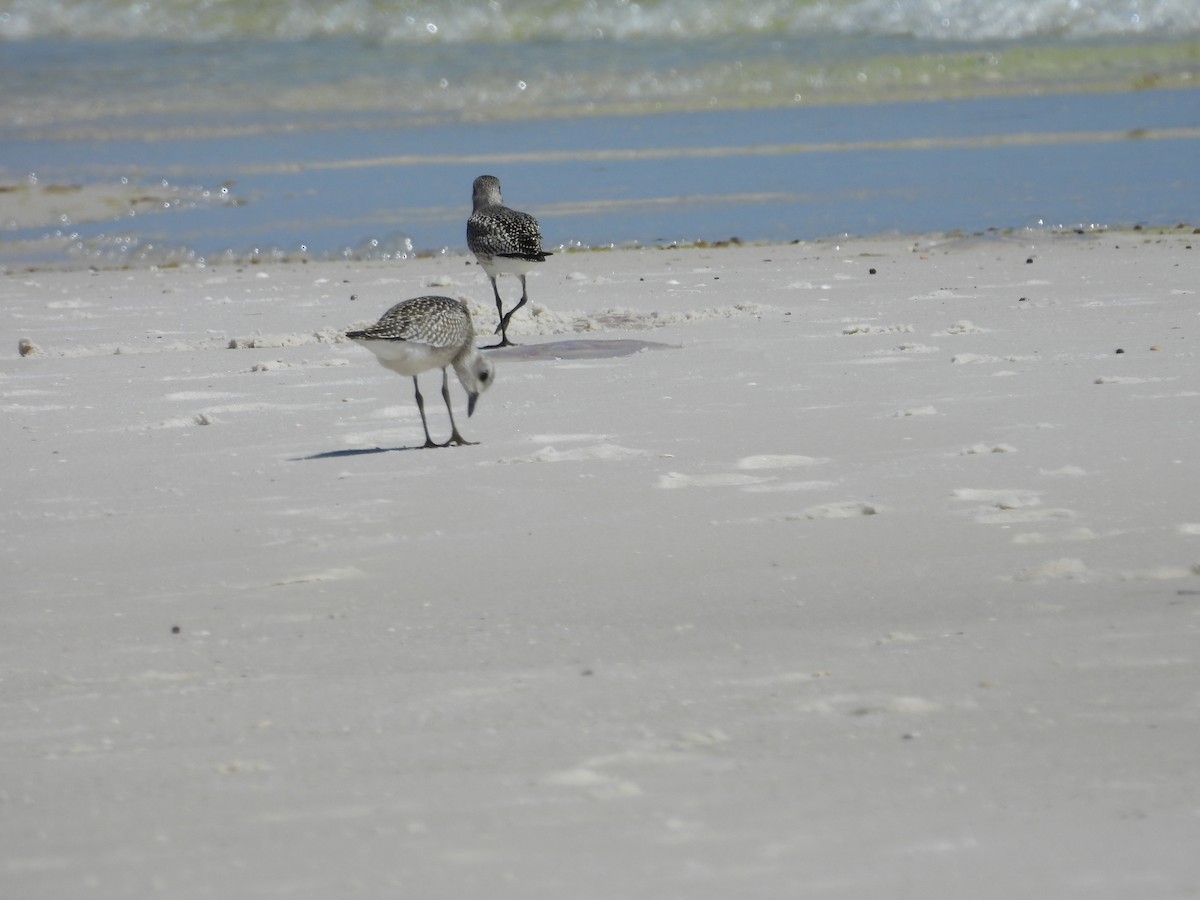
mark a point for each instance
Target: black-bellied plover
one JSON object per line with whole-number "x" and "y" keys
{"x": 503, "y": 240}
{"x": 426, "y": 333}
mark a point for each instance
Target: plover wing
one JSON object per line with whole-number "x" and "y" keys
{"x": 498, "y": 231}
{"x": 440, "y": 322}
{"x": 495, "y": 230}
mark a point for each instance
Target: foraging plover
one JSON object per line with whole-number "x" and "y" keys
{"x": 426, "y": 333}
{"x": 503, "y": 240}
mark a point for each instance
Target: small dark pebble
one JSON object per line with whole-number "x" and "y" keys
{"x": 175, "y": 629}
{"x": 1029, "y": 261}
{"x": 1119, "y": 350}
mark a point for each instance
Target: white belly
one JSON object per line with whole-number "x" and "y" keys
{"x": 408, "y": 357}
{"x": 506, "y": 265}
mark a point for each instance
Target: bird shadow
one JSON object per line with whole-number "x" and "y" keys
{"x": 343, "y": 454}
{"x": 584, "y": 348}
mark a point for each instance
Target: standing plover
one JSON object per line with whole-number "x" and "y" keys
{"x": 426, "y": 333}
{"x": 503, "y": 240}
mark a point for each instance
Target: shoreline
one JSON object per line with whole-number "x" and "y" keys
{"x": 783, "y": 174}
{"x": 931, "y": 239}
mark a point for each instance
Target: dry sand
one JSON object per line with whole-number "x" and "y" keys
{"x": 846, "y": 570}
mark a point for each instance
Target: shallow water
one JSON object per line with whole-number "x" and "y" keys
{"x": 234, "y": 131}
{"x": 1075, "y": 160}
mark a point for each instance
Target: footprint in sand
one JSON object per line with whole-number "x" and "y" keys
{"x": 1002, "y": 498}
{"x": 596, "y": 777}
{"x": 595, "y": 452}
{"x": 983, "y": 449}
{"x": 963, "y": 326}
{"x": 597, "y": 785}
{"x": 757, "y": 463}
{"x": 191, "y": 396}
{"x": 1068, "y": 535}
{"x": 674, "y": 480}
{"x": 867, "y": 328}
{"x": 784, "y": 487}
{"x": 1065, "y": 472}
{"x": 1010, "y": 506}
{"x": 1009, "y": 516}
{"x": 1070, "y": 568}
{"x": 779, "y": 461}
{"x": 344, "y": 573}
{"x": 1122, "y": 379}
{"x": 1067, "y": 568}
{"x": 849, "y": 509}
{"x": 582, "y": 454}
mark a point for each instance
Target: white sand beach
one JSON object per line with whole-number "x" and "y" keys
{"x": 848, "y": 570}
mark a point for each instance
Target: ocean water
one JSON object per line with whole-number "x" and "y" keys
{"x": 189, "y": 131}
